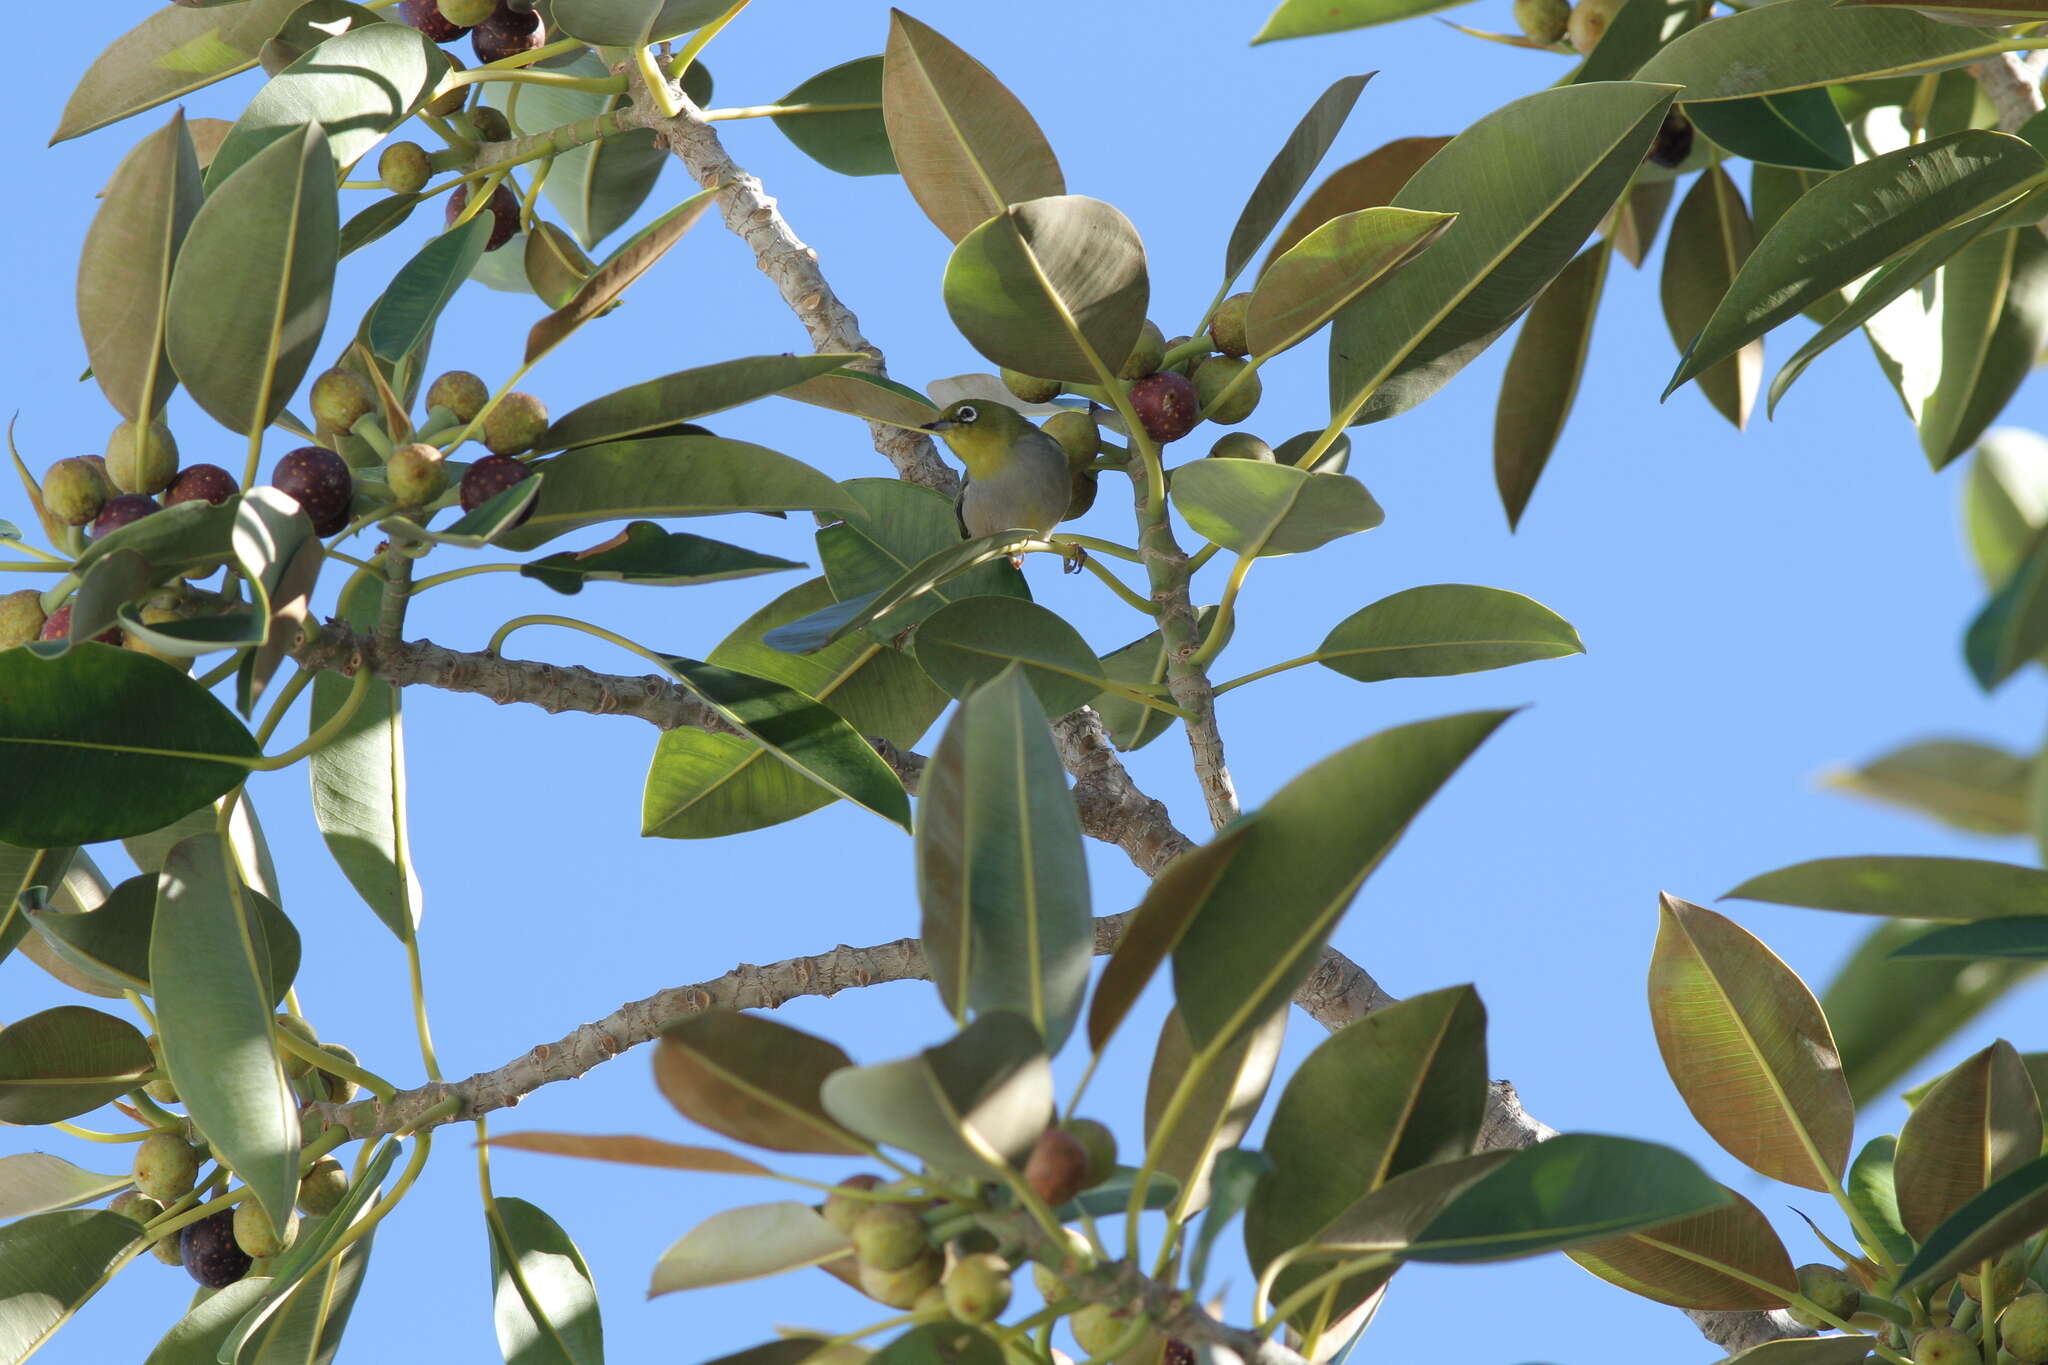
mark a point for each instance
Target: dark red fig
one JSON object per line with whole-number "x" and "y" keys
{"x": 201, "y": 483}
{"x": 210, "y": 1252}
{"x": 426, "y": 16}
{"x": 320, "y": 482}
{"x": 503, "y": 208}
{"x": 507, "y": 33}
{"x": 1166, "y": 404}
{"x": 1674, "y": 141}
{"x": 1057, "y": 1168}
{"x": 58, "y": 627}
{"x": 122, "y": 509}
{"x": 490, "y": 476}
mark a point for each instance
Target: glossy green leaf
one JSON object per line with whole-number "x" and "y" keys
{"x": 1979, "y": 1123}
{"x": 800, "y": 731}
{"x": 1342, "y": 259}
{"x": 357, "y": 86}
{"x": 1288, "y": 171}
{"x": 111, "y": 942}
{"x": 704, "y": 785}
{"x": 307, "y": 1328}
{"x": 1000, "y": 873}
{"x": 981, "y": 1097}
{"x": 846, "y": 132}
{"x": 1633, "y": 223}
{"x": 1219, "y": 1108}
{"x": 404, "y": 314}
{"x": 1873, "y": 1189}
{"x": 1529, "y": 183}
{"x": 966, "y": 146}
{"x": 1391, "y": 1216}
{"x": 754, "y": 1080}
{"x": 1994, "y": 324}
{"x": 250, "y": 292}
{"x": 1312, "y": 845}
{"x": 1251, "y": 508}
{"x": 615, "y": 274}
{"x": 1710, "y": 241}
{"x": 212, "y": 977}
{"x": 1799, "y": 128}
{"x": 1400, "y": 1089}
{"x": 545, "y": 1305}
{"x": 633, "y": 1151}
{"x": 124, "y": 269}
{"x": 1635, "y": 32}
{"x": 1369, "y": 182}
{"x": 171, "y": 53}
{"x": 970, "y": 642}
{"x": 1772, "y": 191}
{"x": 367, "y": 225}
{"x": 1680, "y": 1263}
{"x": 1905, "y": 887}
{"x": 50, "y": 1264}
{"x": 2014, "y": 1208}
{"x": 644, "y": 553}
{"x": 359, "y": 782}
{"x": 113, "y": 580}
{"x": 1542, "y": 379}
{"x": 2006, "y": 501}
{"x": 633, "y": 23}
{"x": 859, "y": 394}
{"x": 646, "y": 408}
{"x": 1141, "y": 663}
{"x": 82, "y": 739}
{"x": 66, "y": 1061}
{"x": 1854, "y": 222}
{"x": 595, "y": 188}
{"x": 1442, "y": 629}
{"x": 1177, "y": 893}
{"x": 1306, "y": 18}
{"x": 196, "y": 1338}
{"x": 2023, "y": 937}
{"x": 1748, "y": 1048}
{"x": 923, "y": 586}
{"x": 670, "y": 476}
{"x": 1055, "y": 287}
{"x": 1574, "y": 1189}
{"x": 900, "y": 528}
{"x": 36, "y": 1182}
{"x": 1803, "y": 44}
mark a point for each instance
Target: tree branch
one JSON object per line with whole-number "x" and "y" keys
{"x": 2012, "y": 82}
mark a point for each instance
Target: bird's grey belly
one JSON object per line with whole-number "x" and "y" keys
{"x": 1033, "y": 496}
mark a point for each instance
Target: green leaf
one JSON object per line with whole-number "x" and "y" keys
{"x": 849, "y": 137}
{"x": 1748, "y": 1048}
{"x": 1176, "y": 895}
{"x": 1306, "y": 18}
{"x": 754, "y": 1080}
{"x": 2024, "y": 937}
{"x": 2013, "y": 1209}
{"x": 1979, "y": 1123}
{"x": 124, "y": 269}
{"x": 1309, "y": 849}
{"x": 1710, "y": 241}
{"x": 703, "y": 785}
{"x": 633, "y": 23}
{"x": 2011, "y": 629}
{"x": 800, "y": 731}
{"x": 2006, "y": 502}
{"x": 1574, "y": 1189}
{"x": 404, "y": 314}
{"x": 50, "y": 1265}
{"x": 359, "y": 782}
{"x": 1443, "y": 629}
{"x": 1305, "y": 286}
{"x": 212, "y": 978}
{"x": 307, "y": 1328}
{"x": 980, "y": 1098}
{"x": 35, "y": 1182}
{"x": 111, "y": 943}
{"x": 634, "y": 257}
{"x": 1635, "y": 33}
{"x": 1873, "y": 1190}
{"x": 633, "y": 1151}
{"x": 1369, "y": 182}
{"x": 196, "y": 1338}
{"x": 1573, "y": 151}
{"x": 1252, "y": 508}
{"x": 63, "y": 1062}
{"x": 1799, "y": 128}
{"x": 545, "y": 1302}
{"x": 747, "y": 1243}
{"x": 1543, "y": 373}
{"x": 82, "y": 739}
{"x": 645, "y": 408}
{"x": 1001, "y": 875}
{"x": 250, "y": 292}
{"x": 597, "y": 187}
{"x": 1288, "y": 171}
{"x": 357, "y": 86}
{"x": 966, "y": 146}
{"x": 1141, "y": 663}
{"x": 367, "y": 225}
{"x": 919, "y": 588}
{"x": 670, "y": 476}
{"x": 941, "y": 1343}
{"x": 644, "y": 553}
{"x": 859, "y": 394}
{"x": 1994, "y": 323}
{"x": 1632, "y": 225}
{"x": 483, "y": 525}
{"x": 1831, "y": 1350}
{"x": 1837, "y": 231}
{"x": 172, "y": 53}
{"x": 1681, "y": 1263}
{"x": 1905, "y": 887}
{"x": 1400, "y": 1089}
{"x": 1218, "y": 1110}
{"x": 280, "y": 559}
{"x": 967, "y": 644}
{"x": 900, "y": 527}
{"x": 1054, "y": 287}
{"x": 1803, "y": 44}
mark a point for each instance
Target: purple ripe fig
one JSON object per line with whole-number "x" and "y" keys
{"x": 318, "y": 479}
{"x": 209, "y": 1251}
{"x": 75, "y": 490}
{"x": 1673, "y": 143}
{"x": 426, "y": 16}
{"x": 201, "y": 483}
{"x": 121, "y": 510}
{"x": 490, "y": 476}
{"x": 507, "y": 33}
{"x": 449, "y": 101}
{"x": 58, "y": 627}
{"x": 1166, "y": 404}
{"x": 503, "y": 208}
{"x": 489, "y": 124}
{"x": 1057, "y": 1168}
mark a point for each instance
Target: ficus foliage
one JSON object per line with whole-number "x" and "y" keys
{"x": 146, "y": 672}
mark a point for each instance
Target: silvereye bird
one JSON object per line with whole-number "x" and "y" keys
{"x": 1016, "y": 474}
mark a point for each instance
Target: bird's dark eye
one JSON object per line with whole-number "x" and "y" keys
{"x": 968, "y": 414}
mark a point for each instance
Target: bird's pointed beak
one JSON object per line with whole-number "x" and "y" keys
{"x": 942, "y": 424}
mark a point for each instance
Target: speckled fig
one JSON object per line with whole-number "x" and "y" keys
{"x": 490, "y": 476}
{"x": 1543, "y": 22}
{"x": 503, "y": 207}
{"x": 978, "y": 1288}
{"x": 1166, "y": 405}
{"x": 255, "y": 1235}
{"x": 165, "y": 1165}
{"x": 21, "y": 617}
{"x": 320, "y": 482}
{"x": 404, "y": 168}
{"x": 341, "y": 398}
{"x": 123, "y": 509}
{"x": 461, "y": 392}
{"x": 888, "y": 1236}
{"x": 209, "y": 1251}
{"x": 416, "y": 475}
{"x": 841, "y": 1210}
{"x": 1226, "y": 327}
{"x": 75, "y": 490}
{"x": 201, "y": 483}
{"x": 901, "y": 1287}
{"x": 515, "y": 424}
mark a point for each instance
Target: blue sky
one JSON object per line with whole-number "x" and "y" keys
{"x": 1756, "y": 608}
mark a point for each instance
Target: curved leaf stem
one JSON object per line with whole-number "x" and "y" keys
{"x": 504, "y": 633}
{"x": 1226, "y": 613}
{"x": 1315, "y": 1288}
{"x": 222, "y": 671}
{"x": 320, "y": 738}
{"x": 468, "y": 571}
{"x": 288, "y": 694}
{"x": 94, "y": 1135}
{"x": 428, "y": 1059}
{"x": 679, "y": 65}
{"x": 657, "y": 83}
{"x": 1265, "y": 672}
{"x": 784, "y": 110}
{"x": 1202, "y": 556}
{"x": 1102, "y": 547}
{"x": 322, "y": 1060}
{"x": 593, "y": 85}
{"x": 422, "y": 1144}
{"x": 1133, "y": 600}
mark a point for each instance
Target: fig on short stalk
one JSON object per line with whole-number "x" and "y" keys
{"x": 21, "y": 617}
{"x": 201, "y": 483}
{"x": 842, "y": 1210}
{"x": 515, "y": 424}
{"x": 404, "y": 168}
{"x": 1146, "y": 355}
{"x": 503, "y": 207}
{"x": 461, "y": 392}
{"x": 319, "y": 481}
{"x": 209, "y": 1251}
{"x": 142, "y": 457}
{"x": 1543, "y": 22}
{"x": 1166, "y": 404}
{"x": 416, "y": 474}
{"x": 123, "y": 509}
{"x": 1227, "y": 325}
{"x": 75, "y": 490}
{"x": 888, "y": 1236}
{"x": 490, "y": 476}
{"x": 341, "y": 398}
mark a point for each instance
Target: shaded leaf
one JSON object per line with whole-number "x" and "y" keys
{"x": 746, "y": 1244}
{"x": 966, "y": 644}
{"x": 1905, "y": 887}
{"x": 1799, "y": 128}
{"x": 1372, "y": 180}
{"x": 1962, "y": 783}
{"x": 1288, "y": 171}
{"x": 899, "y": 529}
{"x": 545, "y": 1305}
{"x": 645, "y": 408}
{"x": 404, "y": 314}
{"x": 632, "y": 1151}
{"x": 280, "y": 557}
{"x": 111, "y": 942}
{"x": 860, "y": 394}
{"x": 50, "y": 1264}
{"x": 1055, "y": 287}
{"x": 2014, "y": 1208}
{"x": 1632, "y": 226}
{"x": 1252, "y": 508}
{"x": 1176, "y": 895}
{"x": 196, "y": 1338}
{"x": 2007, "y": 500}
{"x": 1218, "y": 1109}
{"x": 1994, "y": 324}
{"x": 1634, "y": 33}
{"x": 919, "y": 588}
{"x": 1542, "y": 379}
{"x": 1873, "y": 1190}
{"x": 65, "y": 1061}
{"x": 1342, "y": 259}
{"x": 1979, "y": 1123}
{"x": 634, "y": 257}
{"x": 754, "y": 1080}
{"x": 644, "y": 553}
{"x": 1710, "y": 241}
{"x": 2022, "y": 937}
{"x": 852, "y": 139}
{"x": 36, "y": 1182}
{"x": 633, "y": 23}
{"x": 171, "y": 53}
{"x": 941, "y": 1343}
{"x": 1678, "y": 1263}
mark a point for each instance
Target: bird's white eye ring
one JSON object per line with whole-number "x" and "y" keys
{"x": 968, "y": 414}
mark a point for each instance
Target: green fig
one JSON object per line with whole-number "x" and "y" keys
{"x": 1100, "y": 1144}
{"x": 489, "y": 123}
{"x": 1588, "y": 23}
{"x": 404, "y": 168}
{"x": 841, "y": 1210}
{"x": 75, "y": 490}
{"x": 515, "y": 424}
{"x": 142, "y": 459}
{"x": 21, "y": 617}
{"x": 2023, "y": 1328}
{"x": 1227, "y": 324}
{"x": 295, "y": 1065}
{"x": 1944, "y": 1346}
{"x": 1146, "y": 355}
{"x": 1242, "y": 445}
{"x": 1079, "y": 1254}
{"x": 340, "y": 1089}
{"x": 978, "y": 1288}
{"x": 466, "y": 13}
{"x": 1543, "y": 22}
{"x": 461, "y": 392}
{"x": 255, "y": 1235}
{"x": 321, "y": 1188}
{"x": 450, "y": 100}
{"x": 1030, "y": 388}
{"x": 1829, "y": 1288}
{"x": 900, "y": 1288}
{"x": 1228, "y": 388}
{"x": 416, "y": 475}
{"x": 165, "y": 1166}
{"x": 888, "y": 1236}
{"x": 136, "y": 1205}
{"x": 341, "y": 398}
